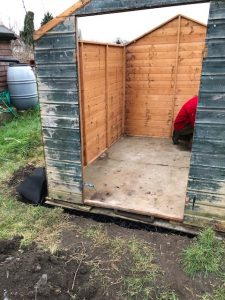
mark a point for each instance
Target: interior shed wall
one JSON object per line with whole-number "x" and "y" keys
{"x": 102, "y": 96}
{"x": 163, "y": 71}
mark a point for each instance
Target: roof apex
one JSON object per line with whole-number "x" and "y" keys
{"x": 164, "y": 23}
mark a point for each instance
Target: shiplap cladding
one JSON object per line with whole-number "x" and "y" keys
{"x": 55, "y": 55}
{"x": 163, "y": 71}
{"x": 102, "y": 86}
{"x": 5, "y": 50}
{"x": 206, "y": 187}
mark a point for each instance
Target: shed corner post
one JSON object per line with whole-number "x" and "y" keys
{"x": 80, "y": 87}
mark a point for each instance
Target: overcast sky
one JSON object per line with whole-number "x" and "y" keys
{"x": 104, "y": 28}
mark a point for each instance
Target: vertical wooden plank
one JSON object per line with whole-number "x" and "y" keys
{"x": 124, "y": 90}
{"x": 176, "y": 71}
{"x": 108, "y": 131}
{"x": 81, "y": 97}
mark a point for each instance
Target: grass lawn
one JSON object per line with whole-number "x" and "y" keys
{"x": 126, "y": 263}
{"x": 21, "y": 144}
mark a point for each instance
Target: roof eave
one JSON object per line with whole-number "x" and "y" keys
{"x": 59, "y": 19}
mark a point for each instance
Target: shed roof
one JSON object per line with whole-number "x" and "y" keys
{"x": 6, "y": 34}
{"x": 70, "y": 11}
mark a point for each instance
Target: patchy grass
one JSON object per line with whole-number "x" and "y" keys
{"x": 218, "y": 294}
{"x": 168, "y": 295}
{"x": 206, "y": 254}
{"x": 33, "y": 223}
{"x": 20, "y": 140}
{"x": 141, "y": 271}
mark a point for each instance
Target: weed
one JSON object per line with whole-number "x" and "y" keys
{"x": 205, "y": 255}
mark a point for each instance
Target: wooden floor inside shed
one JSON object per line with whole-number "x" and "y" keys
{"x": 146, "y": 176}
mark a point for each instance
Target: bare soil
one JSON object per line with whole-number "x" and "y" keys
{"x": 22, "y": 269}
{"x": 22, "y": 272}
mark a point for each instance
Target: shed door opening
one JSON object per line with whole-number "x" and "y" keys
{"x": 130, "y": 96}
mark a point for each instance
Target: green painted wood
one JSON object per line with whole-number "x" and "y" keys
{"x": 205, "y": 197}
{"x": 207, "y": 160}
{"x": 207, "y": 171}
{"x": 55, "y": 55}
{"x": 63, "y": 145}
{"x": 55, "y": 122}
{"x": 55, "y": 41}
{"x": 60, "y": 110}
{"x": 62, "y": 156}
{"x": 65, "y": 167}
{"x": 211, "y": 116}
{"x": 209, "y": 146}
{"x": 110, "y": 6}
{"x": 209, "y": 187}
{"x": 207, "y": 131}
{"x": 61, "y": 133}
{"x": 213, "y": 83}
{"x": 57, "y": 84}
{"x": 57, "y": 71}
{"x": 68, "y": 26}
{"x": 214, "y": 66}
{"x": 55, "y": 97}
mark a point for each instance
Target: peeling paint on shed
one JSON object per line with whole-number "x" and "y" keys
{"x": 58, "y": 92}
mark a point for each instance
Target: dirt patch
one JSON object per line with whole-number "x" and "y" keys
{"x": 85, "y": 270}
{"x": 33, "y": 274}
{"x": 18, "y": 177}
{"x": 101, "y": 196}
{"x": 167, "y": 249}
{"x": 8, "y": 246}
{"x": 20, "y": 174}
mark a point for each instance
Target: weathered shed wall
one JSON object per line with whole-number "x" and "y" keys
{"x": 5, "y": 50}
{"x": 206, "y": 187}
{"x": 163, "y": 71}
{"x": 102, "y": 86}
{"x": 55, "y": 55}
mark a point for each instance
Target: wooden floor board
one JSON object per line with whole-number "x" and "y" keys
{"x": 147, "y": 176}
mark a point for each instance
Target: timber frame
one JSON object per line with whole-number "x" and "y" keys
{"x": 56, "y": 52}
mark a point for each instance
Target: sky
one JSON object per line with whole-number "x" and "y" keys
{"x": 104, "y": 28}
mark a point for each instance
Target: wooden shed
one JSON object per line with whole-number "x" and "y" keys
{"x": 6, "y": 36}
{"x": 107, "y": 113}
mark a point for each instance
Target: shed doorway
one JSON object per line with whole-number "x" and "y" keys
{"x": 130, "y": 96}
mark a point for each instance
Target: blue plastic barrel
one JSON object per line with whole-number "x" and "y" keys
{"x": 22, "y": 86}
